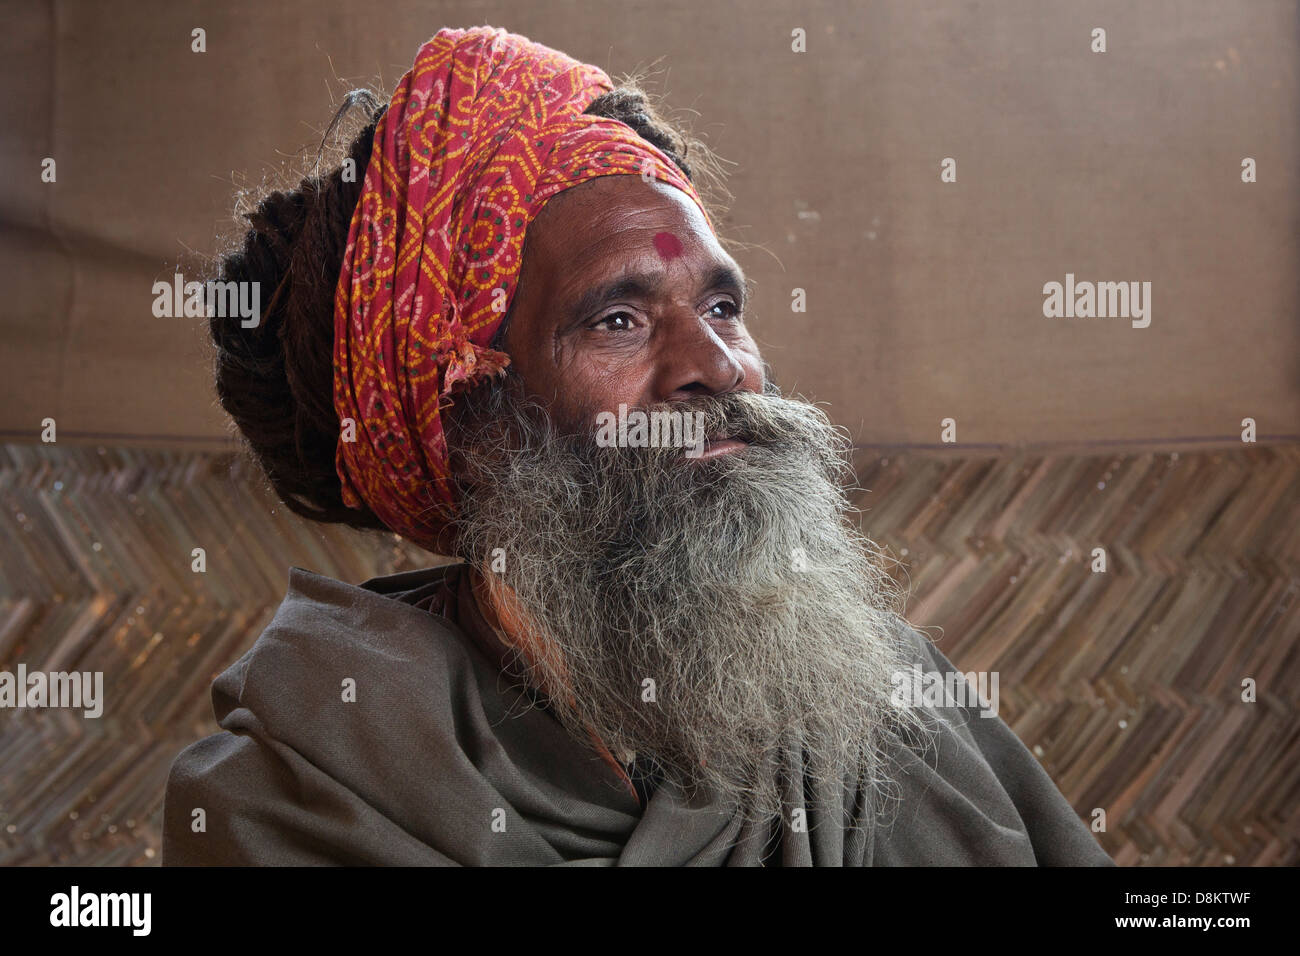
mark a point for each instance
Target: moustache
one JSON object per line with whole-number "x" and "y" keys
{"x": 764, "y": 420}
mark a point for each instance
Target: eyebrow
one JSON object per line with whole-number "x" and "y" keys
{"x": 723, "y": 277}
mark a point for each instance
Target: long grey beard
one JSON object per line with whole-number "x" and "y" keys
{"x": 713, "y": 615}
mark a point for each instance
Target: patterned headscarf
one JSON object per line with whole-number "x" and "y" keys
{"x": 484, "y": 129}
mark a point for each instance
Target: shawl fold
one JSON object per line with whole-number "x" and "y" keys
{"x": 440, "y": 761}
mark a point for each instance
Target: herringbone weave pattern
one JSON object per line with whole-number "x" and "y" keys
{"x": 1127, "y": 684}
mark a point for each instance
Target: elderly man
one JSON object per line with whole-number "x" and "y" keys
{"x": 664, "y": 643}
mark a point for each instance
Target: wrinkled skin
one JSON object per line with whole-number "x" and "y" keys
{"x": 675, "y": 332}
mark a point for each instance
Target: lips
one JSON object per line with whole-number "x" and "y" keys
{"x": 721, "y": 444}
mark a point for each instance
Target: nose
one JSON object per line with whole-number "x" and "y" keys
{"x": 692, "y": 359}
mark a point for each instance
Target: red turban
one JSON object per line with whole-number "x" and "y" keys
{"x": 484, "y": 129}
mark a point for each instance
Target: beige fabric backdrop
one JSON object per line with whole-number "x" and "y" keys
{"x": 924, "y": 298}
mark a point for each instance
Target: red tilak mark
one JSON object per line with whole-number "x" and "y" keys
{"x": 668, "y": 246}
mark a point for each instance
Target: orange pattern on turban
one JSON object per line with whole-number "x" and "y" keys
{"x": 484, "y": 129}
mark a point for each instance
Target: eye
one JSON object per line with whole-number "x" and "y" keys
{"x": 725, "y": 309}
{"x": 611, "y": 322}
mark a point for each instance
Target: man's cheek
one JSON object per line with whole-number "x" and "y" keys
{"x": 576, "y": 416}
{"x": 752, "y": 360}
{"x": 603, "y": 389}
{"x": 615, "y": 372}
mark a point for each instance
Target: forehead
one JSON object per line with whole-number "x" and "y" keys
{"x": 599, "y": 227}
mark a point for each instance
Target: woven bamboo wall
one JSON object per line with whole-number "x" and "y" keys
{"x": 1126, "y": 684}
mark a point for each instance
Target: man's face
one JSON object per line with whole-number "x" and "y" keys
{"x": 763, "y": 620}
{"x": 626, "y": 297}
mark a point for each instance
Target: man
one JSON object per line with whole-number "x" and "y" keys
{"x": 664, "y": 644}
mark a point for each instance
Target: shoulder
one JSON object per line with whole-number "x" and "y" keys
{"x": 329, "y": 639}
{"x": 310, "y": 714}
